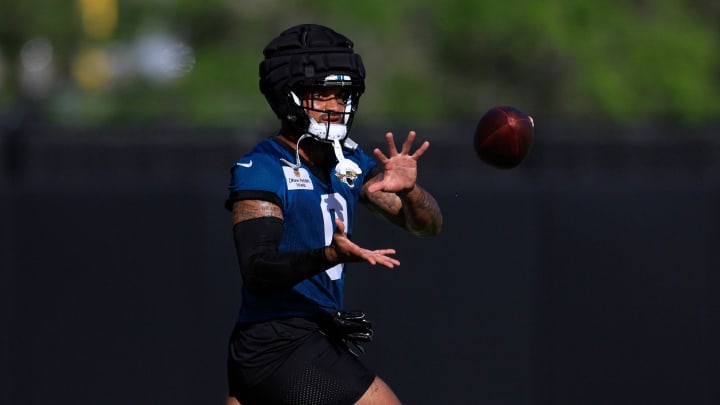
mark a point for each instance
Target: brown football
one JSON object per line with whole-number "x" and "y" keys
{"x": 503, "y": 137}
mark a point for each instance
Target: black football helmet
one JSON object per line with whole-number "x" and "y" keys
{"x": 302, "y": 60}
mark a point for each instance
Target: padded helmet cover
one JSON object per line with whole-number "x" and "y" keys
{"x": 299, "y": 59}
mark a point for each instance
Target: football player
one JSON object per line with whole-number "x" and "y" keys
{"x": 293, "y": 199}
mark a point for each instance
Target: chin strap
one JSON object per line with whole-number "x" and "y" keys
{"x": 297, "y": 163}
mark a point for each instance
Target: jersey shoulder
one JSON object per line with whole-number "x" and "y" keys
{"x": 260, "y": 169}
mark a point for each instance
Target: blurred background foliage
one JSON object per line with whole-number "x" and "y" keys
{"x": 194, "y": 63}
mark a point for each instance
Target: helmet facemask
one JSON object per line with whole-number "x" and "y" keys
{"x": 333, "y": 124}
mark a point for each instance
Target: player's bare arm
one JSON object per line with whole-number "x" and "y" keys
{"x": 250, "y": 209}
{"x": 395, "y": 195}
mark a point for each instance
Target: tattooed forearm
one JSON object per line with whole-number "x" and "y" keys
{"x": 422, "y": 213}
{"x": 386, "y": 205}
{"x": 416, "y": 211}
{"x": 249, "y": 209}
{"x": 386, "y": 202}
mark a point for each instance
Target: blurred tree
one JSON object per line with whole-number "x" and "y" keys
{"x": 184, "y": 62}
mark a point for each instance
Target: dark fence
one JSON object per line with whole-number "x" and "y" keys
{"x": 588, "y": 275}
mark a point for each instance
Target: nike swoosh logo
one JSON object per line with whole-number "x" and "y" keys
{"x": 248, "y": 164}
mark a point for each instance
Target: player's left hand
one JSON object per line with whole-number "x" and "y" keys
{"x": 400, "y": 172}
{"x": 343, "y": 250}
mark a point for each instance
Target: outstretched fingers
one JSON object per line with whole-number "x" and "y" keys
{"x": 380, "y": 156}
{"x": 392, "y": 149}
{"x": 408, "y": 143}
{"x": 381, "y": 257}
{"x": 351, "y": 252}
{"x": 378, "y": 257}
{"x": 421, "y": 150}
{"x": 405, "y": 149}
{"x": 391, "y": 144}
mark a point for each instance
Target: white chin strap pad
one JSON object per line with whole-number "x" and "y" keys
{"x": 327, "y": 132}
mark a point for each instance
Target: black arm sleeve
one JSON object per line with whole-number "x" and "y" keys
{"x": 263, "y": 267}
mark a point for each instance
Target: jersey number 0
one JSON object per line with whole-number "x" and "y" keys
{"x": 333, "y": 206}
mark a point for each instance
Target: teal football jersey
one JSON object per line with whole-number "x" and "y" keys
{"x": 310, "y": 202}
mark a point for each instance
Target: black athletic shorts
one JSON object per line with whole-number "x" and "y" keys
{"x": 292, "y": 362}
